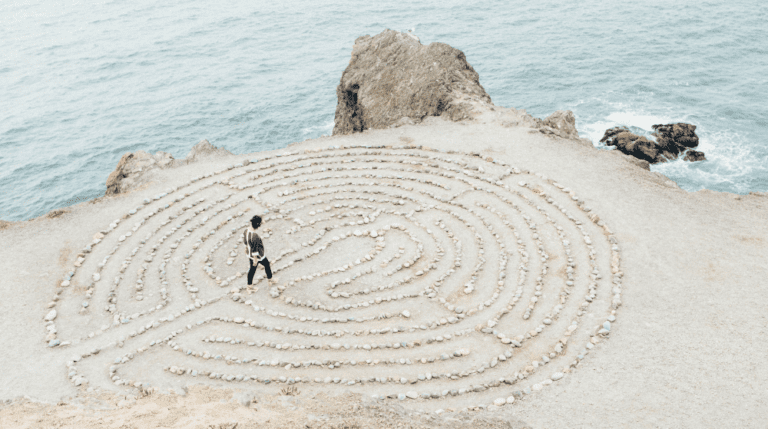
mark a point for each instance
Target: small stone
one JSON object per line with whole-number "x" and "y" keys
{"x": 510, "y": 400}
{"x": 412, "y": 394}
{"x": 51, "y": 315}
{"x": 557, "y": 376}
{"x": 406, "y": 313}
{"x": 499, "y": 402}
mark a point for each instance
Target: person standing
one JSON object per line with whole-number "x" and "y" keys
{"x": 254, "y": 248}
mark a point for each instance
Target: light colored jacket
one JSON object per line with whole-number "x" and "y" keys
{"x": 253, "y": 245}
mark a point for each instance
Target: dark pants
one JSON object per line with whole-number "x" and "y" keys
{"x": 252, "y": 270}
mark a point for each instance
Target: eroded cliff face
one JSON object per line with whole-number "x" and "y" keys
{"x": 133, "y": 166}
{"x": 392, "y": 79}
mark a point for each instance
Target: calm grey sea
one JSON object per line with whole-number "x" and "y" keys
{"x": 81, "y": 83}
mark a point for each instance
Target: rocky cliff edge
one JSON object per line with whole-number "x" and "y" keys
{"x": 130, "y": 170}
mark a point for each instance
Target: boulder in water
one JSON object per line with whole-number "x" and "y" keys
{"x": 694, "y": 155}
{"x": 631, "y": 144}
{"x": 672, "y": 141}
{"x": 675, "y": 139}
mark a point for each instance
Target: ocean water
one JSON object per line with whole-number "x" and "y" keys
{"x": 82, "y": 83}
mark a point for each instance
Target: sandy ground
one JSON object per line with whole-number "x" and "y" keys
{"x": 687, "y": 348}
{"x": 205, "y": 407}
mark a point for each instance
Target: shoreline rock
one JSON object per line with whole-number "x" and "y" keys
{"x": 133, "y": 165}
{"x": 673, "y": 141}
{"x": 676, "y": 139}
{"x": 392, "y": 80}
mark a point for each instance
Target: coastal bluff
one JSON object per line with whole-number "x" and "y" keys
{"x": 491, "y": 270}
{"x": 133, "y": 168}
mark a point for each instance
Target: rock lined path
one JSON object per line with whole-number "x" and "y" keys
{"x": 403, "y": 273}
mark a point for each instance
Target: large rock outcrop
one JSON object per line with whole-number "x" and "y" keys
{"x": 392, "y": 79}
{"x": 133, "y": 166}
{"x": 672, "y": 140}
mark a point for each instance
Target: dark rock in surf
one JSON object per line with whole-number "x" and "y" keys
{"x": 631, "y": 144}
{"x": 675, "y": 139}
{"x": 672, "y": 141}
{"x": 694, "y": 155}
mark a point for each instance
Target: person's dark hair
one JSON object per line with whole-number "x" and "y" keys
{"x": 256, "y": 222}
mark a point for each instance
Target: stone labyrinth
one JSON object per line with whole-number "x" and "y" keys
{"x": 405, "y": 273}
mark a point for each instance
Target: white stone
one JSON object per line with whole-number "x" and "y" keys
{"x": 51, "y": 315}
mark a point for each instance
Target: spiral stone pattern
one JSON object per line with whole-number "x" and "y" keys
{"x": 406, "y": 273}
